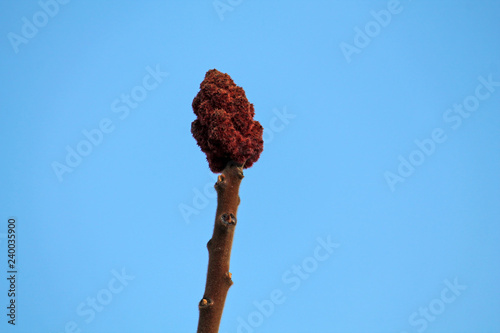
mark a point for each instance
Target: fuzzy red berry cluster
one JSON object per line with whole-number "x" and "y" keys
{"x": 224, "y": 128}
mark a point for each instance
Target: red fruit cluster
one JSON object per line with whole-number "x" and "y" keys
{"x": 224, "y": 128}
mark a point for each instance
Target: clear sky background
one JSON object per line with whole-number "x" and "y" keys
{"x": 373, "y": 208}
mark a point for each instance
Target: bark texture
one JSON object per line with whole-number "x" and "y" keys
{"x": 219, "y": 249}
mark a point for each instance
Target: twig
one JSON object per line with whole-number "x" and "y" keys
{"x": 219, "y": 249}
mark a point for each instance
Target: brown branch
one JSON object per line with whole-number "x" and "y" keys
{"x": 219, "y": 249}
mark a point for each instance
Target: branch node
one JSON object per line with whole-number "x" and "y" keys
{"x": 228, "y": 219}
{"x": 228, "y": 278}
{"x": 205, "y": 303}
{"x": 220, "y": 183}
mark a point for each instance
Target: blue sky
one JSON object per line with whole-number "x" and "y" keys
{"x": 373, "y": 208}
